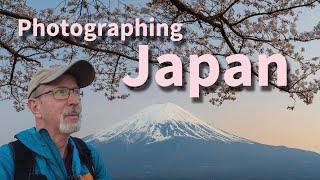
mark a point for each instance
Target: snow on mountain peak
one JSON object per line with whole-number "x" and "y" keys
{"x": 160, "y": 122}
{"x": 161, "y": 113}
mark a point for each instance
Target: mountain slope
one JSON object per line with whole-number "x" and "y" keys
{"x": 161, "y": 122}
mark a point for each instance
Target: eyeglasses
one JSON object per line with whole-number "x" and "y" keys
{"x": 63, "y": 92}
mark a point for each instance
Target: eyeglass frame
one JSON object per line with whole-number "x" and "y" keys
{"x": 69, "y": 90}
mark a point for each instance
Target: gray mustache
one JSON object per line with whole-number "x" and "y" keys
{"x": 72, "y": 111}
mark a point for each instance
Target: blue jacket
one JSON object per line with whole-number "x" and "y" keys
{"x": 48, "y": 160}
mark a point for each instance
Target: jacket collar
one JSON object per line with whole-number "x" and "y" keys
{"x": 39, "y": 141}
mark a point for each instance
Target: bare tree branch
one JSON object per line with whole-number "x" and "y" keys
{"x": 15, "y": 54}
{"x": 273, "y": 12}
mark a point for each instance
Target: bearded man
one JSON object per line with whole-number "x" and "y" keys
{"x": 47, "y": 151}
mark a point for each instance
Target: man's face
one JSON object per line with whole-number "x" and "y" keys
{"x": 63, "y": 115}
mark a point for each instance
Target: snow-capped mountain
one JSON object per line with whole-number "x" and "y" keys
{"x": 163, "y": 141}
{"x": 160, "y": 122}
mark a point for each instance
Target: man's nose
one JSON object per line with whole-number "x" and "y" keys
{"x": 74, "y": 99}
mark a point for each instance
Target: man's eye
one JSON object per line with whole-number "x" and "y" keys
{"x": 61, "y": 91}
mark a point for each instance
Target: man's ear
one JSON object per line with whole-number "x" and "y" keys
{"x": 33, "y": 105}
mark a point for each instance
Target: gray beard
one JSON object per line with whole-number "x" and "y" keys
{"x": 69, "y": 128}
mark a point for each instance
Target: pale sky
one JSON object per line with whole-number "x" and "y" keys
{"x": 255, "y": 115}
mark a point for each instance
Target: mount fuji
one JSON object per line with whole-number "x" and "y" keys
{"x": 161, "y": 122}
{"x": 164, "y": 141}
